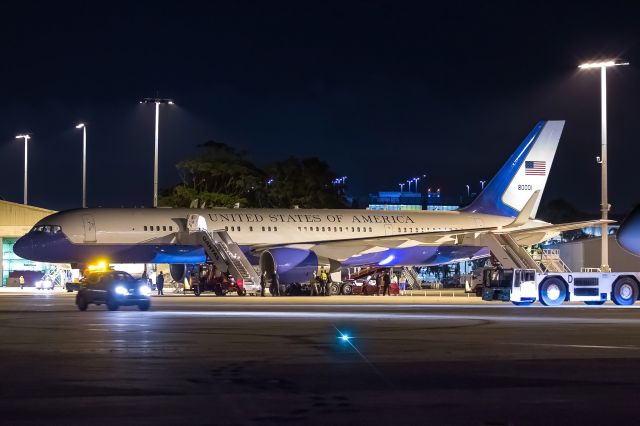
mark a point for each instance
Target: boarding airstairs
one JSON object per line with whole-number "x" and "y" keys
{"x": 507, "y": 251}
{"x": 220, "y": 247}
{"x": 412, "y": 276}
{"x": 550, "y": 261}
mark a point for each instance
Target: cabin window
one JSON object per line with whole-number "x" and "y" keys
{"x": 170, "y": 228}
{"x": 226, "y": 228}
{"x": 263, "y": 229}
{"x": 251, "y": 229}
{"x": 269, "y": 229}
{"x": 323, "y": 229}
{"x": 317, "y": 228}
{"x": 275, "y": 228}
{"x": 305, "y": 228}
{"x": 157, "y": 227}
{"x": 335, "y": 229}
{"x": 340, "y": 229}
{"x": 370, "y": 230}
{"x": 233, "y": 228}
{"x": 358, "y": 229}
{"x": 145, "y": 227}
{"x": 164, "y": 228}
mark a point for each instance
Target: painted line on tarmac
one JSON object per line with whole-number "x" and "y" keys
{"x": 405, "y": 305}
{"x": 557, "y": 345}
{"x": 394, "y": 316}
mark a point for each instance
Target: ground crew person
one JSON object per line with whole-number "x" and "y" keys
{"x": 275, "y": 285}
{"x": 160, "y": 283}
{"x": 324, "y": 288}
{"x": 386, "y": 282}
{"x": 263, "y": 284}
{"x": 21, "y": 280}
{"x": 313, "y": 284}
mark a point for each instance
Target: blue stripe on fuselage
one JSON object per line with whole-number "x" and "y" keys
{"x": 56, "y": 248}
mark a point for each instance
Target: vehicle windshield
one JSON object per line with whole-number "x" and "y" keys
{"x": 122, "y": 277}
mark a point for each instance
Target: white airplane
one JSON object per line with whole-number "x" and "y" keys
{"x": 294, "y": 242}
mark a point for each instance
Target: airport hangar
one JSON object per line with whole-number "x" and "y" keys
{"x": 15, "y": 221}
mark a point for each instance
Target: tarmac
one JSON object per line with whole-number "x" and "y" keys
{"x": 256, "y": 361}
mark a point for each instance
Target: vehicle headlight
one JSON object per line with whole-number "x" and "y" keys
{"x": 145, "y": 290}
{"x": 121, "y": 290}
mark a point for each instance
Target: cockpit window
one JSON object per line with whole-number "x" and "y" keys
{"x": 48, "y": 229}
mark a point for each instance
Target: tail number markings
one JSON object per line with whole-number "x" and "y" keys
{"x": 524, "y": 188}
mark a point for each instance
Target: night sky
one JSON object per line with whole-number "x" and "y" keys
{"x": 381, "y": 90}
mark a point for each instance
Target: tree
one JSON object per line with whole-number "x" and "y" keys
{"x": 307, "y": 183}
{"x": 222, "y": 176}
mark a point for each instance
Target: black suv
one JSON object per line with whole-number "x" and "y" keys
{"x": 113, "y": 288}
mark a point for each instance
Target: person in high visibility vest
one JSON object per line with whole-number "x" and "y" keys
{"x": 324, "y": 288}
{"x": 21, "y": 280}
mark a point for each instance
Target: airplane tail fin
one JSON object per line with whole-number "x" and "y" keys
{"x": 524, "y": 173}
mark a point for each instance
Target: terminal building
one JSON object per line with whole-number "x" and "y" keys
{"x": 15, "y": 221}
{"x": 405, "y": 200}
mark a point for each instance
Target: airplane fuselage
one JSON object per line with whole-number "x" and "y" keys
{"x": 152, "y": 235}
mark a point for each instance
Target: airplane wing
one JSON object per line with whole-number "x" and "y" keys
{"x": 342, "y": 249}
{"x": 569, "y": 226}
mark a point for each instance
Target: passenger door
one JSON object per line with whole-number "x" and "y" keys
{"x": 89, "y": 228}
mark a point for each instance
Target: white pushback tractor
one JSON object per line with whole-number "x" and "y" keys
{"x": 526, "y": 286}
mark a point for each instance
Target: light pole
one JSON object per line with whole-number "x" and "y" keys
{"x": 26, "y": 138}
{"x": 401, "y": 186}
{"x": 468, "y": 191}
{"x": 416, "y": 179}
{"x": 482, "y": 182}
{"x": 409, "y": 185}
{"x": 604, "y": 204}
{"x": 156, "y": 101}
{"x": 84, "y": 163}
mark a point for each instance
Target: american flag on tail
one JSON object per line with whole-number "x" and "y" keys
{"x": 535, "y": 168}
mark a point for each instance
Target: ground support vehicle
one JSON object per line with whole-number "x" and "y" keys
{"x": 114, "y": 289}
{"x": 526, "y": 286}
{"x": 366, "y": 287}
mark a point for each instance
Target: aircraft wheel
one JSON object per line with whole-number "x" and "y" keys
{"x": 196, "y": 290}
{"x": 624, "y": 292}
{"x": 553, "y": 291}
{"x": 522, "y": 303}
{"x": 347, "y": 289}
{"x": 242, "y": 292}
{"x": 334, "y": 289}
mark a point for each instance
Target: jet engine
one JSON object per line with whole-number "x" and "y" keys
{"x": 178, "y": 271}
{"x": 292, "y": 265}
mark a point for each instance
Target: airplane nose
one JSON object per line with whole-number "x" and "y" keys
{"x": 23, "y": 246}
{"x": 629, "y": 232}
